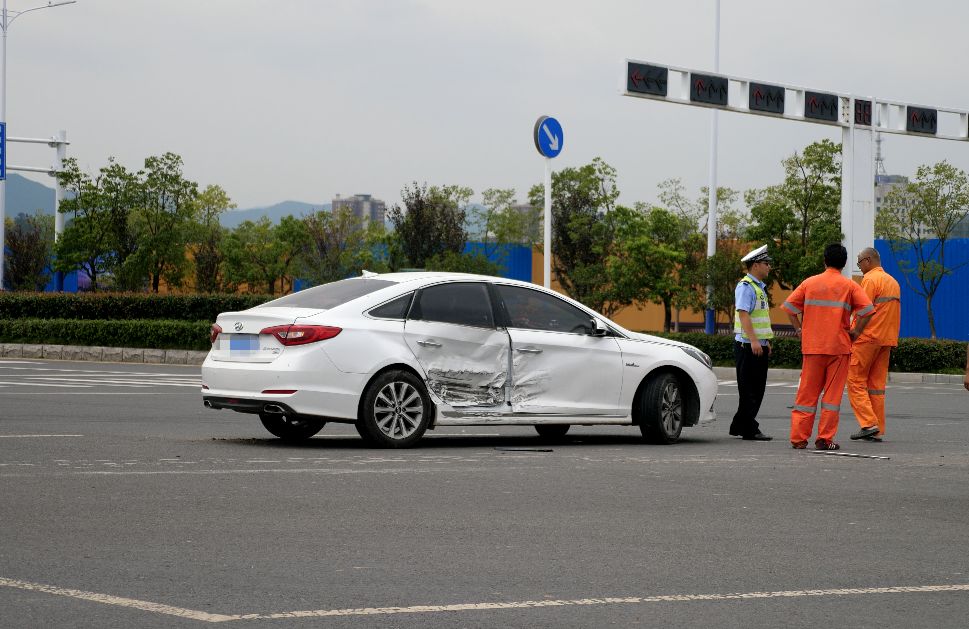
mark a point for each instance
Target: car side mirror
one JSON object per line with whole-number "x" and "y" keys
{"x": 598, "y": 328}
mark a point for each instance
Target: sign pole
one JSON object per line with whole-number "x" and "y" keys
{"x": 710, "y": 315}
{"x": 548, "y": 139}
{"x": 547, "y": 272}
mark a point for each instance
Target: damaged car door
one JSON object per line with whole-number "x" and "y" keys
{"x": 560, "y": 366}
{"x": 451, "y": 330}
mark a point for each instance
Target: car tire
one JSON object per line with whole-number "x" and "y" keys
{"x": 662, "y": 409}
{"x": 552, "y": 432}
{"x": 289, "y": 427}
{"x": 396, "y": 410}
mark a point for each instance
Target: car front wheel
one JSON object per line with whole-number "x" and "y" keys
{"x": 662, "y": 409}
{"x": 289, "y": 427}
{"x": 396, "y": 410}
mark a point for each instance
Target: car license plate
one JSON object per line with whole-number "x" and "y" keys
{"x": 243, "y": 343}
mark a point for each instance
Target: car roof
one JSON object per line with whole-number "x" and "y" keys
{"x": 425, "y": 277}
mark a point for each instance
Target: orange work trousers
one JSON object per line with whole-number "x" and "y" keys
{"x": 867, "y": 375}
{"x": 819, "y": 372}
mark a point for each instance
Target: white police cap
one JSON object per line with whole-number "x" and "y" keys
{"x": 757, "y": 255}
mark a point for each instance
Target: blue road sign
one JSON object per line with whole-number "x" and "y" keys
{"x": 3, "y": 151}
{"x": 548, "y": 136}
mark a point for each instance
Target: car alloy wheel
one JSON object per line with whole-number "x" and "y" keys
{"x": 661, "y": 409}
{"x": 396, "y": 410}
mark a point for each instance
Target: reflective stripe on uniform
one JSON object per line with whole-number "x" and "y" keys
{"x": 806, "y": 409}
{"x": 876, "y": 391}
{"x": 830, "y": 407}
{"x": 759, "y": 314}
{"x": 791, "y": 307}
{"x": 865, "y": 310}
{"x": 827, "y": 302}
{"x": 881, "y": 300}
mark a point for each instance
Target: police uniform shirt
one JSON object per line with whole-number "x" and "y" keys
{"x": 746, "y": 299}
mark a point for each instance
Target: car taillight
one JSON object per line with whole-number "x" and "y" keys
{"x": 214, "y": 334}
{"x": 301, "y": 334}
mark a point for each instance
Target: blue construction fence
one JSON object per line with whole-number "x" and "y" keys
{"x": 951, "y": 302}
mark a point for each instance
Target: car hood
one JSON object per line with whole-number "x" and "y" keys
{"x": 649, "y": 338}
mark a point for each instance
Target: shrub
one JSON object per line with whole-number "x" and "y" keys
{"x": 122, "y": 306}
{"x": 143, "y": 333}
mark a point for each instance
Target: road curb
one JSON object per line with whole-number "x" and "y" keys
{"x": 103, "y": 354}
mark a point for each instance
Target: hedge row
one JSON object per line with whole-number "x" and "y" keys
{"x": 122, "y": 306}
{"x": 140, "y": 333}
{"x": 913, "y": 355}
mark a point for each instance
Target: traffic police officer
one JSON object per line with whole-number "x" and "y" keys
{"x": 752, "y": 336}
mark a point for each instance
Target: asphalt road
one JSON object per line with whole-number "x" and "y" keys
{"x": 125, "y": 503}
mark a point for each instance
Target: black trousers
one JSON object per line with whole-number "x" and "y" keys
{"x": 751, "y": 381}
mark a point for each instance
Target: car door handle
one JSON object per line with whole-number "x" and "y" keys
{"x": 429, "y": 343}
{"x": 528, "y": 350}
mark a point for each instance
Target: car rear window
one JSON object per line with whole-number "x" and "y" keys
{"x": 330, "y": 295}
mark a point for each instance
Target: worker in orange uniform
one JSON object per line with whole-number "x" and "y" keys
{"x": 874, "y": 339}
{"x": 819, "y": 310}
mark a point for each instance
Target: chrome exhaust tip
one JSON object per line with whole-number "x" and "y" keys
{"x": 207, "y": 403}
{"x": 276, "y": 409}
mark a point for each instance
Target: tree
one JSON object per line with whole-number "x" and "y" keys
{"x": 338, "y": 246}
{"x": 919, "y": 218}
{"x": 581, "y": 197}
{"x": 696, "y": 272}
{"x": 207, "y": 234}
{"x": 431, "y": 221}
{"x": 88, "y": 239}
{"x": 118, "y": 193}
{"x": 162, "y": 220}
{"x": 30, "y": 247}
{"x": 644, "y": 260}
{"x": 800, "y": 216}
{"x": 507, "y": 222}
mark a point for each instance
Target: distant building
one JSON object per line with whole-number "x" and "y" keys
{"x": 885, "y": 184}
{"x": 363, "y": 206}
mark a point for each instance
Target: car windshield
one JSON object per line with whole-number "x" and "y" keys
{"x": 330, "y": 295}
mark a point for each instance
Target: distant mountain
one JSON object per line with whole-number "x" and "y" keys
{"x": 233, "y": 218}
{"x": 27, "y": 196}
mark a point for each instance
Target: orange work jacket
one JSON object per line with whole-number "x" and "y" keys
{"x": 886, "y": 294}
{"x": 826, "y": 302}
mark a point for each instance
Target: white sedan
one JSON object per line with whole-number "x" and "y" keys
{"x": 397, "y": 354}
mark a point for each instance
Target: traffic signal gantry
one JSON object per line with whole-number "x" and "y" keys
{"x": 858, "y": 116}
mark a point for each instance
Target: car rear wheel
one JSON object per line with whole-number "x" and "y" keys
{"x": 396, "y": 410}
{"x": 662, "y": 409}
{"x": 289, "y": 427}
{"x": 552, "y": 431}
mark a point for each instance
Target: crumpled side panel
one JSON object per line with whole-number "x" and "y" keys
{"x": 530, "y": 382}
{"x": 459, "y": 382}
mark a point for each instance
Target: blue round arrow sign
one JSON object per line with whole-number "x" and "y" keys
{"x": 548, "y": 136}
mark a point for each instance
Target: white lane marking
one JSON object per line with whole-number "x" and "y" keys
{"x": 671, "y": 598}
{"x": 41, "y": 384}
{"x": 34, "y": 436}
{"x": 119, "y": 601}
{"x": 169, "y": 610}
{"x": 4, "y": 362}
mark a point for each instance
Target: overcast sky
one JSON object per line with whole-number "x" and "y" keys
{"x": 306, "y": 99}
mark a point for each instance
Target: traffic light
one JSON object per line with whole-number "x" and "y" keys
{"x": 764, "y": 97}
{"x": 646, "y": 79}
{"x": 709, "y": 89}
{"x": 921, "y": 120}
{"x": 821, "y": 106}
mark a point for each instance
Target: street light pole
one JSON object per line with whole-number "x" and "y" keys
{"x": 5, "y": 21}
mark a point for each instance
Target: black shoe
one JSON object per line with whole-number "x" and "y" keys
{"x": 734, "y": 434}
{"x": 872, "y": 438}
{"x": 757, "y": 437}
{"x": 865, "y": 432}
